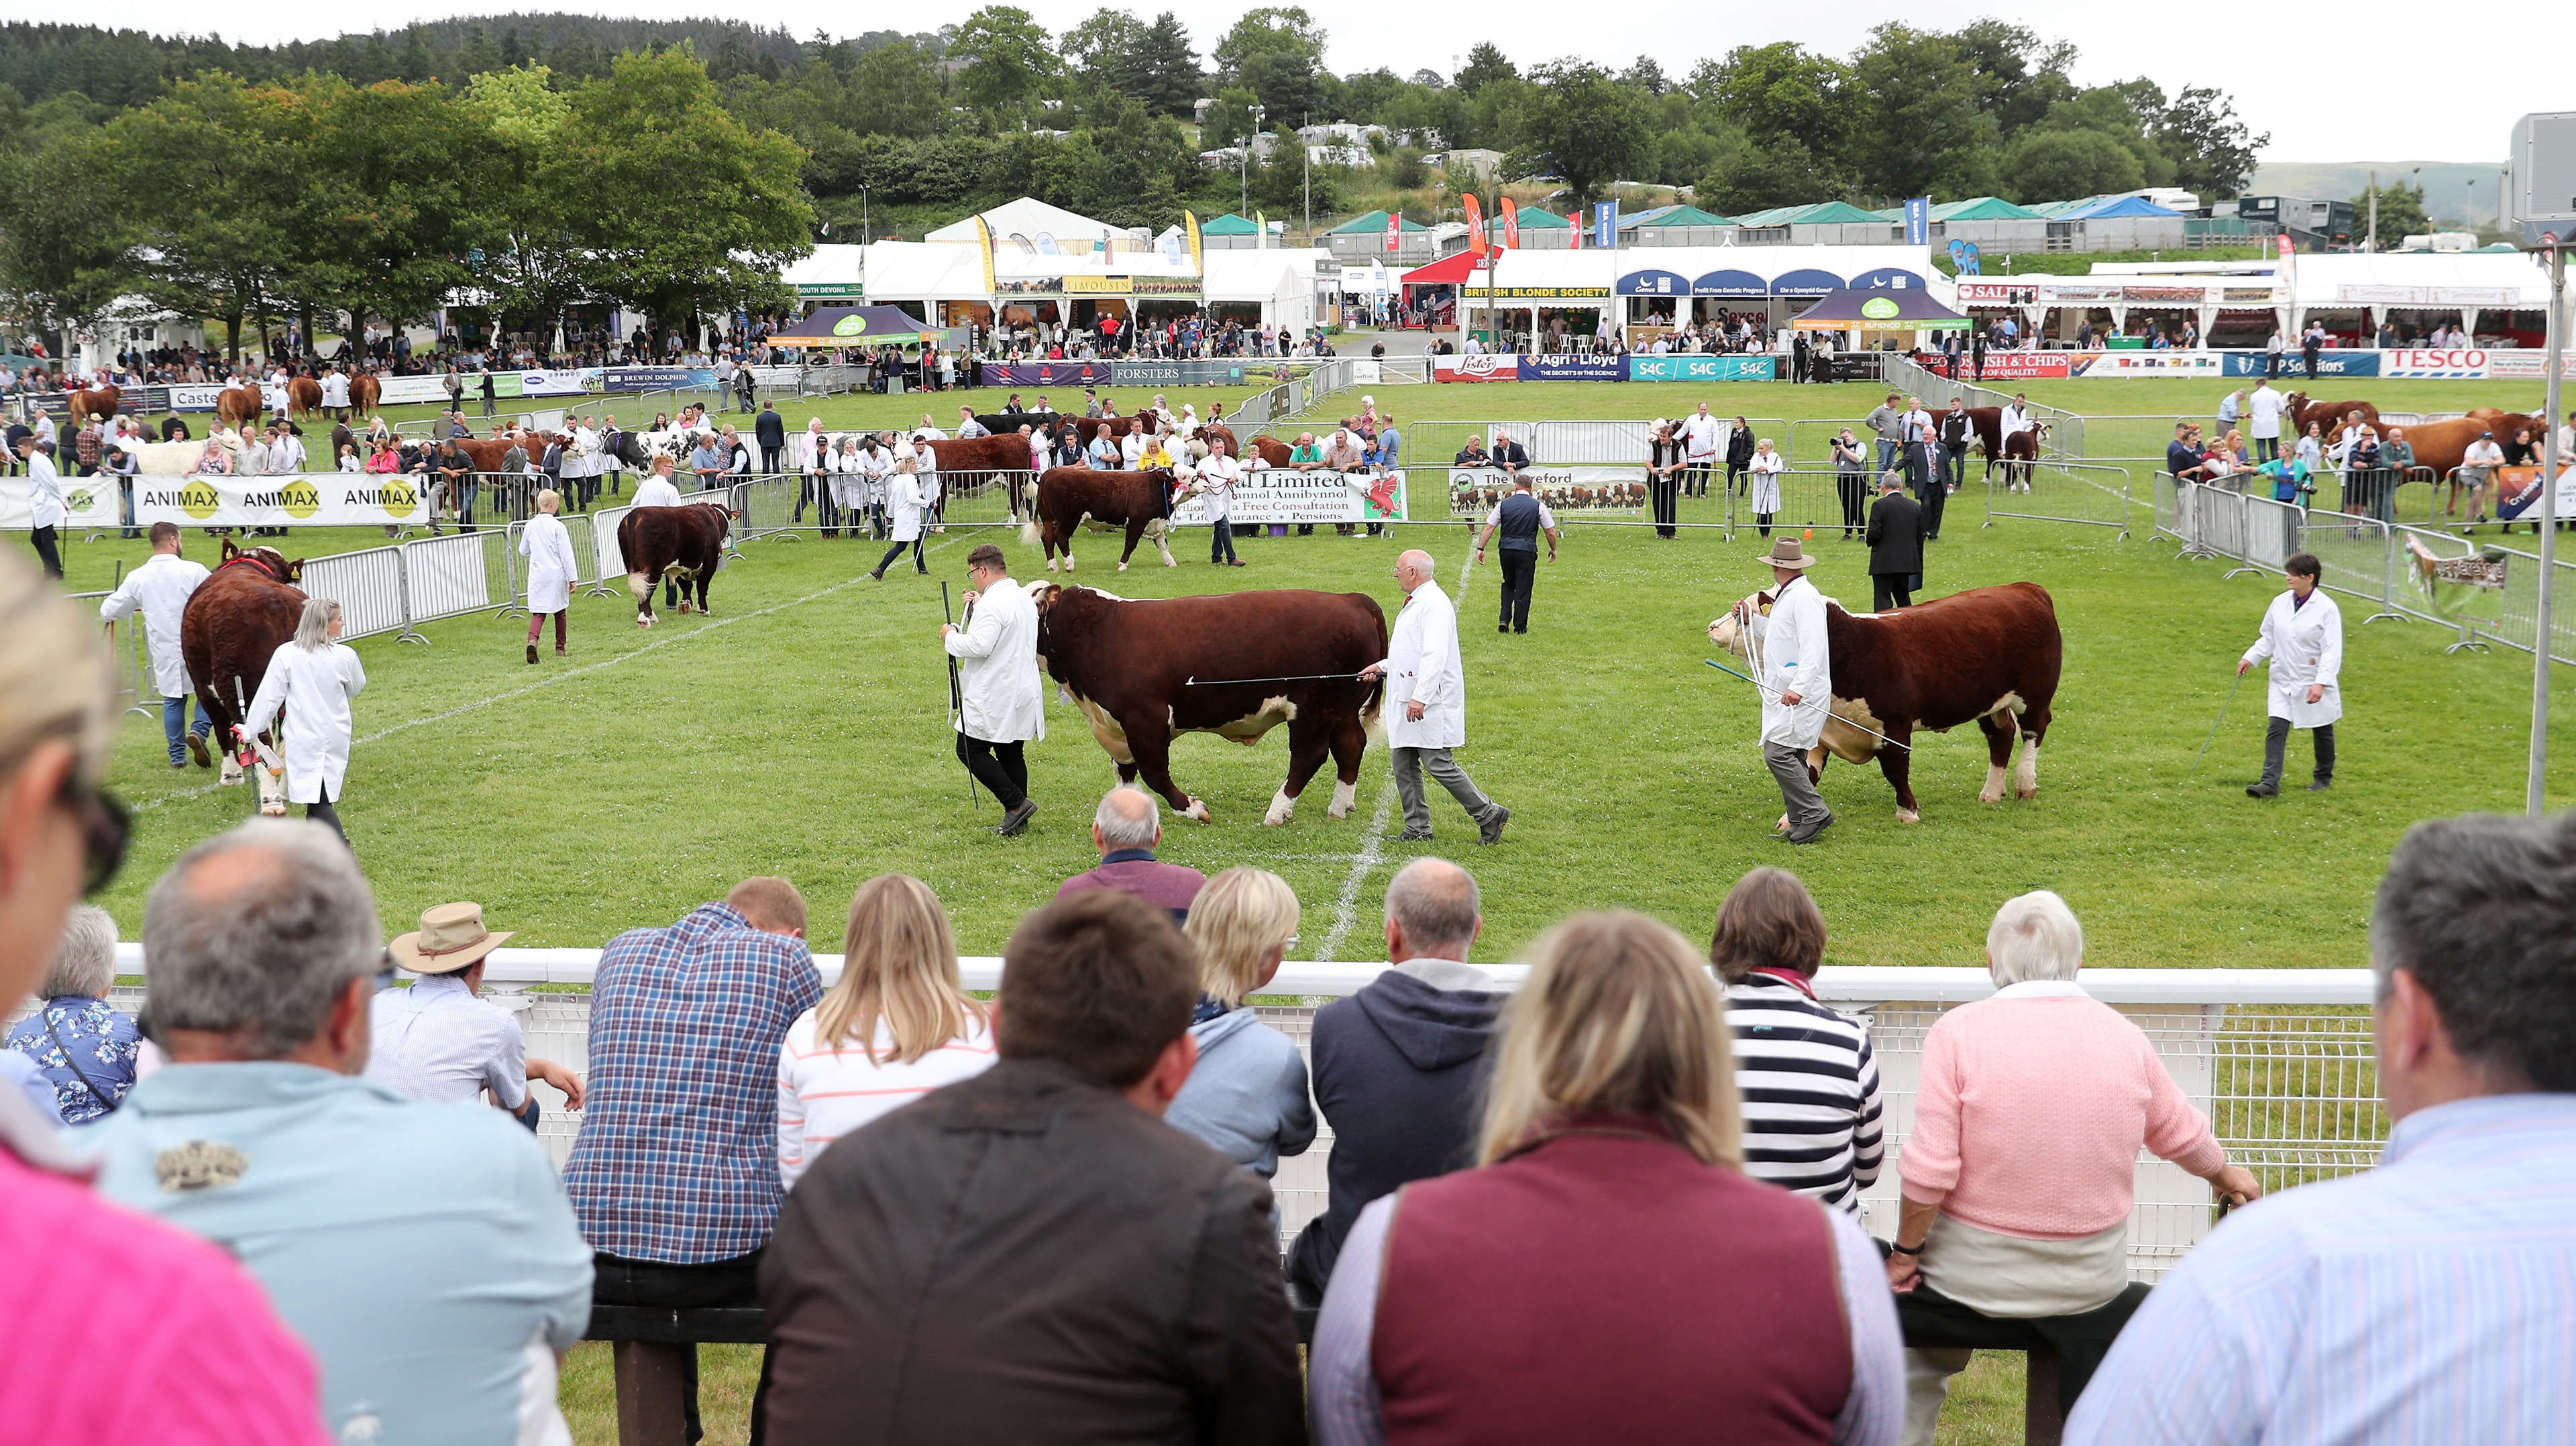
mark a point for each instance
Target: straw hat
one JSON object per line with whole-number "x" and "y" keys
{"x": 1785, "y": 552}
{"x": 450, "y": 937}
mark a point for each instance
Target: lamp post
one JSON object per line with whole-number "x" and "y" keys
{"x": 2554, "y": 256}
{"x": 866, "y": 235}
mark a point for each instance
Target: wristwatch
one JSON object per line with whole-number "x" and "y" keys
{"x": 1905, "y": 1249}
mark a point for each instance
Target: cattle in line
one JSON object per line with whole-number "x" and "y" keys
{"x": 239, "y": 406}
{"x": 303, "y": 397}
{"x": 2332, "y": 414}
{"x": 2441, "y": 445}
{"x": 2015, "y": 455}
{"x": 684, "y": 543}
{"x": 1129, "y": 667}
{"x": 234, "y": 622}
{"x": 1267, "y": 449}
{"x": 1086, "y": 428}
{"x": 1990, "y": 654}
{"x": 968, "y": 464}
{"x": 363, "y": 391}
{"x": 95, "y": 404}
{"x": 1140, "y": 502}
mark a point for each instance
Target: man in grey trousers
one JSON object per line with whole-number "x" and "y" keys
{"x": 1426, "y": 703}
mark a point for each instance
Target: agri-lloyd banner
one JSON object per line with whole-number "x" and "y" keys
{"x": 1279, "y": 495}
{"x": 90, "y": 500}
{"x": 1720, "y": 367}
{"x": 1566, "y": 368}
{"x": 1474, "y": 491}
{"x": 315, "y": 499}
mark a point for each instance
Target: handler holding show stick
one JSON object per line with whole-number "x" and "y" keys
{"x": 1426, "y": 694}
{"x": 2303, "y": 636}
{"x": 1798, "y": 681}
{"x": 1001, "y": 704}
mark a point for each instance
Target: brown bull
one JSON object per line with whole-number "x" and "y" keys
{"x": 676, "y": 545}
{"x": 1990, "y": 654}
{"x": 1141, "y": 502}
{"x": 967, "y": 465}
{"x": 98, "y": 403}
{"x": 239, "y": 406}
{"x": 363, "y": 391}
{"x": 2016, "y": 455}
{"x": 303, "y": 397}
{"x": 1143, "y": 672}
{"x": 234, "y": 622}
{"x": 2332, "y": 414}
{"x": 2441, "y": 445}
{"x": 1269, "y": 449}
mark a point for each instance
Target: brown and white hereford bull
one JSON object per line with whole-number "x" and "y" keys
{"x": 2332, "y": 414}
{"x": 685, "y": 543}
{"x": 1141, "y": 502}
{"x": 1130, "y": 667}
{"x": 968, "y": 465}
{"x": 1990, "y": 654}
{"x": 234, "y": 622}
{"x": 2016, "y": 454}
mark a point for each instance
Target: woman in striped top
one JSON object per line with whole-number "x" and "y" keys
{"x": 898, "y": 1025}
{"x": 1809, "y": 1080}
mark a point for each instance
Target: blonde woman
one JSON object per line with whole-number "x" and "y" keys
{"x": 551, "y": 569}
{"x": 1620, "y": 1271}
{"x": 1766, "y": 467}
{"x": 312, "y": 680}
{"x": 898, "y": 1025}
{"x": 1247, "y": 1095}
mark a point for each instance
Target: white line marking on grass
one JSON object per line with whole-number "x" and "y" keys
{"x": 1372, "y": 853}
{"x": 552, "y": 680}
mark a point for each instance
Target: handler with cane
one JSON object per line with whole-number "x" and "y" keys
{"x": 2303, "y": 636}
{"x": 1000, "y": 705}
{"x": 1797, "y": 677}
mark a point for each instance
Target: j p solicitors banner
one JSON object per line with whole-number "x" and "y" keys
{"x": 1280, "y": 495}
{"x": 313, "y": 499}
{"x": 90, "y": 500}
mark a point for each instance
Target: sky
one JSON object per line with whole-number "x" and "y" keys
{"x": 2281, "y": 62}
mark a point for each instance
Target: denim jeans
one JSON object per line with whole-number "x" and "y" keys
{"x": 174, "y": 726}
{"x": 1888, "y": 453}
{"x": 465, "y": 491}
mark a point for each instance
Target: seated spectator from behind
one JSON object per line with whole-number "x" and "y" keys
{"x": 2430, "y": 1299}
{"x": 1247, "y": 1096}
{"x": 127, "y": 1329}
{"x": 83, "y": 1049}
{"x": 2015, "y": 1230}
{"x": 1125, "y": 828}
{"x": 1564, "y": 1290}
{"x": 426, "y": 1254}
{"x": 898, "y": 1025}
{"x": 1806, "y": 1074}
{"x": 1033, "y": 1254}
{"x": 675, "y": 1171}
{"x": 1396, "y": 1063}
{"x": 437, "y": 1041}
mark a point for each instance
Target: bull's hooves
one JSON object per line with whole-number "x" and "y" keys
{"x": 267, "y": 812}
{"x": 1276, "y": 820}
{"x": 1337, "y": 813}
{"x": 1122, "y": 567}
{"x": 2025, "y": 793}
{"x": 1907, "y": 815}
{"x": 1990, "y": 798}
{"x": 1197, "y": 811}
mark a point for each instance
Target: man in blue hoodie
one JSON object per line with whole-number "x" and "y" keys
{"x": 1397, "y": 1064}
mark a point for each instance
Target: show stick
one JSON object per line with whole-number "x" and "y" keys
{"x": 1290, "y": 678}
{"x": 1774, "y": 692}
{"x": 956, "y": 697}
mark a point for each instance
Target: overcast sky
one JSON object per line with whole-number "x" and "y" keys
{"x": 2362, "y": 80}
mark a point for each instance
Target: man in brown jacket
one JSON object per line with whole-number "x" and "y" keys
{"x": 1033, "y": 1255}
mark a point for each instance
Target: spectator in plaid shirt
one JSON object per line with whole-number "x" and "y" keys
{"x": 675, "y": 1173}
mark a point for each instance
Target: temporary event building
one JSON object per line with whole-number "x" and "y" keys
{"x": 2498, "y": 297}
{"x": 1646, "y": 291}
{"x": 1908, "y": 308}
{"x": 858, "y": 326}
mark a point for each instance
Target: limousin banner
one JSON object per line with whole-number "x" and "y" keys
{"x": 320, "y": 499}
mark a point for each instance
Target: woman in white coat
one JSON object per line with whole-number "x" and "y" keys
{"x": 551, "y": 570}
{"x": 1766, "y": 467}
{"x": 312, "y": 681}
{"x": 2303, "y": 637}
{"x": 903, "y": 501}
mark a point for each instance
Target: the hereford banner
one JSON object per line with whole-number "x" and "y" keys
{"x": 313, "y": 499}
{"x": 1048, "y": 374}
{"x": 90, "y": 500}
{"x": 1279, "y": 495}
{"x": 1473, "y": 491}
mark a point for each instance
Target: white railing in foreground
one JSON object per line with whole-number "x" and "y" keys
{"x": 2278, "y": 1059}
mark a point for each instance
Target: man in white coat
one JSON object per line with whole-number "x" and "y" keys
{"x": 2264, "y": 410}
{"x": 1001, "y": 703}
{"x": 1426, "y": 702}
{"x": 160, "y": 590}
{"x": 1700, "y": 434}
{"x": 46, "y": 508}
{"x": 2303, "y": 637}
{"x": 1797, "y": 687}
{"x": 551, "y": 569}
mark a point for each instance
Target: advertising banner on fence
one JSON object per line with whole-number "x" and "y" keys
{"x": 1722, "y": 368}
{"x": 130, "y": 401}
{"x": 404, "y": 391}
{"x": 2147, "y": 364}
{"x": 2518, "y": 492}
{"x": 90, "y": 500}
{"x": 2455, "y": 364}
{"x": 2020, "y": 366}
{"x": 2330, "y": 363}
{"x": 550, "y": 383}
{"x": 655, "y": 379}
{"x": 1473, "y": 491}
{"x": 1177, "y": 373}
{"x": 1048, "y": 374}
{"x": 1573, "y": 369}
{"x": 316, "y": 499}
{"x": 1278, "y": 495}
{"x": 1504, "y": 368}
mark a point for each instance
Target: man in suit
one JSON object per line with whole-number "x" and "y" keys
{"x": 1895, "y": 539}
{"x": 771, "y": 428}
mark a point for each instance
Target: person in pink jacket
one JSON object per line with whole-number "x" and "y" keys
{"x": 2021, "y": 1169}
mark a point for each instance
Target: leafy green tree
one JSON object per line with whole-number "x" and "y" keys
{"x": 1777, "y": 173}
{"x": 896, "y": 90}
{"x": 2212, "y": 151}
{"x": 1485, "y": 65}
{"x": 1167, "y": 68}
{"x": 63, "y": 242}
{"x": 2063, "y": 165}
{"x": 393, "y": 197}
{"x": 1102, "y": 50}
{"x": 1582, "y": 125}
{"x": 210, "y": 154}
{"x": 2023, "y": 75}
{"x": 1136, "y": 169}
{"x": 2114, "y": 111}
{"x": 1009, "y": 59}
{"x": 1783, "y": 92}
{"x": 1277, "y": 53}
{"x": 1229, "y": 120}
{"x": 1924, "y": 131}
{"x": 536, "y": 263}
{"x": 2401, "y": 214}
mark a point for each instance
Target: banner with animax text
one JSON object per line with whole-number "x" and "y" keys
{"x": 90, "y": 500}
{"x": 315, "y": 499}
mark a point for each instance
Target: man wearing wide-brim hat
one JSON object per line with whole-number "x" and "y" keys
{"x": 437, "y": 1041}
{"x": 1797, "y": 686}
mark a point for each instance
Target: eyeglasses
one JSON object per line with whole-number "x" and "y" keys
{"x": 106, "y": 828}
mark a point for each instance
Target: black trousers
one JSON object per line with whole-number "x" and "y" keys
{"x": 1932, "y": 1320}
{"x": 1000, "y": 767}
{"x": 1520, "y": 574}
{"x": 323, "y": 812}
{"x": 897, "y": 551}
{"x": 1890, "y": 590}
{"x": 1735, "y": 473}
{"x": 1918, "y": 468}
{"x": 46, "y": 552}
{"x": 1695, "y": 478}
{"x": 1934, "y": 499}
{"x": 2276, "y": 748}
{"x": 1666, "y": 492}
{"x": 1855, "y": 497}
{"x": 1220, "y": 542}
{"x": 769, "y": 456}
{"x": 617, "y": 1280}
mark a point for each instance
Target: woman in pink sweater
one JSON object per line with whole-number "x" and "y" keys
{"x": 2022, "y": 1165}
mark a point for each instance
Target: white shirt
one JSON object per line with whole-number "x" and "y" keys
{"x": 159, "y": 590}
{"x": 1003, "y": 697}
{"x": 2483, "y": 454}
{"x": 551, "y": 568}
{"x": 1218, "y": 476}
{"x": 2266, "y": 407}
{"x": 45, "y": 492}
{"x": 436, "y": 1041}
{"x": 1918, "y": 426}
{"x": 2305, "y": 645}
{"x": 824, "y": 1094}
{"x": 903, "y": 499}
{"x": 1422, "y": 662}
{"x": 335, "y": 390}
{"x": 1131, "y": 449}
{"x": 1764, "y": 492}
{"x": 1700, "y": 432}
{"x": 2016, "y": 418}
{"x": 286, "y": 454}
{"x": 1796, "y": 658}
{"x": 656, "y": 491}
{"x": 312, "y": 688}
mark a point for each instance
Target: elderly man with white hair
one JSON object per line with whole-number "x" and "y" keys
{"x": 1125, "y": 829}
{"x": 2014, "y": 1232}
{"x": 1426, "y": 702}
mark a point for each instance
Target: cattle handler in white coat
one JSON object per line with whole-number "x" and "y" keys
{"x": 2303, "y": 636}
{"x": 311, "y": 681}
{"x": 1002, "y": 705}
{"x": 1426, "y": 699}
{"x": 1797, "y": 687}
{"x": 551, "y": 569}
{"x": 160, "y": 590}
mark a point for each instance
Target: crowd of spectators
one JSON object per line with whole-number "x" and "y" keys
{"x": 1615, "y": 1203}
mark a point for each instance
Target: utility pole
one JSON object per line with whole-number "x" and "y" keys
{"x": 1308, "y": 184}
{"x": 2370, "y": 238}
{"x": 2556, "y": 259}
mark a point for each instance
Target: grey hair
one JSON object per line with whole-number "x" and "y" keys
{"x": 2481, "y": 911}
{"x": 1437, "y": 903}
{"x": 267, "y": 955}
{"x": 2034, "y": 936}
{"x": 1127, "y": 818}
{"x": 313, "y": 629}
{"x": 85, "y": 966}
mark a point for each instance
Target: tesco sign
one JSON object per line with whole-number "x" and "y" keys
{"x": 2425, "y": 362}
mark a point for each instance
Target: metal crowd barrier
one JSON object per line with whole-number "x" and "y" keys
{"x": 2063, "y": 492}
{"x": 2066, "y": 437}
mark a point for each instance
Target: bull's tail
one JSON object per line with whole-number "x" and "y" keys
{"x": 1373, "y": 713}
{"x": 1031, "y": 535}
{"x": 640, "y": 585}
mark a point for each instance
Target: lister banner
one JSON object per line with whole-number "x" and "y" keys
{"x": 316, "y": 499}
{"x": 90, "y": 500}
{"x": 1278, "y": 495}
